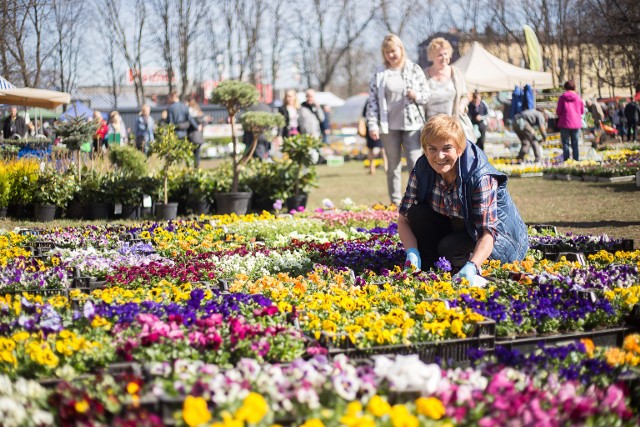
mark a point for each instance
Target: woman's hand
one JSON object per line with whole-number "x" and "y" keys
{"x": 411, "y": 94}
{"x": 374, "y": 135}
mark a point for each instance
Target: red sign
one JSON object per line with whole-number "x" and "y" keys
{"x": 151, "y": 77}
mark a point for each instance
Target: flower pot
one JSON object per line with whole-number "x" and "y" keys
{"x": 76, "y": 210}
{"x": 3, "y": 213}
{"x": 45, "y": 213}
{"x": 199, "y": 207}
{"x": 294, "y": 202}
{"x": 259, "y": 204}
{"x": 166, "y": 212}
{"x": 130, "y": 212}
{"x": 238, "y": 202}
{"x": 99, "y": 210}
{"x": 20, "y": 211}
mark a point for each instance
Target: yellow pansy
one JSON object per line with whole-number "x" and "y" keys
{"x": 195, "y": 411}
{"x": 378, "y": 406}
{"x": 254, "y": 408}
{"x": 431, "y": 407}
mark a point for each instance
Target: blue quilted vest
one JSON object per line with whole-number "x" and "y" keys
{"x": 512, "y": 239}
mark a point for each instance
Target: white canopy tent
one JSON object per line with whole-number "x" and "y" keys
{"x": 30, "y": 97}
{"x": 351, "y": 111}
{"x": 487, "y": 73}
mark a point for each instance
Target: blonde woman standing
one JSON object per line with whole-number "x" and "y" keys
{"x": 449, "y": 93}
{"x": 397, "y": 91}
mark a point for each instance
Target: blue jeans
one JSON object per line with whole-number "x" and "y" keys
{"x": 565, "y": 134}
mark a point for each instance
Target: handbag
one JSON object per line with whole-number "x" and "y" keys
{"x": 362, "y": 128}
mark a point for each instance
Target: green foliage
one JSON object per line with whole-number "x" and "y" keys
{"x": 270, "y": 181}
{"x": 76, "y": 131}
{"x": 171, "y": 150}
{"x": 128, "y": 159}
{"x": 222, "y": 177}
{"x": 55, "y": 188}
{"x": 169, "y": 147}
{"x": 5, "y": 186}
{"x": 191, "y": 185}
{"x": 235, "y": 95}
{"x": 94, "y": 189}
{"x": 128, "y": 189}
{"x": 303, "y": 152}
{"x": 24, "y": 176}
{"x": 258, "y": 122}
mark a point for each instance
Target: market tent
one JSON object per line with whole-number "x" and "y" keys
{"x": 487, "y": 73}
{"x": 351, "y": 111}
{"x": 77, "y": 109}
{"x": 30, "y": 97}
{"x": 323, "y": 98}
{"x": 5, "y": 84}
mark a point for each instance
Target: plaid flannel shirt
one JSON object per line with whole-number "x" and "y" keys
{"x": 444, "y": 200}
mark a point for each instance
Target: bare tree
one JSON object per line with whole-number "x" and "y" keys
{"x": 251, "y": 18}
{"x": 323, "y": 37}
{"x": 395, "y": 15}
{"x": 163, "y": 36}
{"x": 191, "y": 15}
{"x": 67, "y": 20}
{"x": 130, "y": 46}
{"x": 278, "y": 41}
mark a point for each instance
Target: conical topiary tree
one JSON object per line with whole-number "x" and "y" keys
{"x": 235, "y": 96}
{"x": 258, "y": 122}
{"x": 74, "y": 133}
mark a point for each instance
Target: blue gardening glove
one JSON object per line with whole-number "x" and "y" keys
{"x": 413, "y": 256}
{"x": 469, "y": 272}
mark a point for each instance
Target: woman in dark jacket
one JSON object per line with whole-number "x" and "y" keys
{"x": 457, "y": 206}
{"x": 290, "y": 109}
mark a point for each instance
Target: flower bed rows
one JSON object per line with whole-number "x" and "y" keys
{"x": 247, "y": 321}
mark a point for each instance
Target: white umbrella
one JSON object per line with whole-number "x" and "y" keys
{"x": 323, "y": 98}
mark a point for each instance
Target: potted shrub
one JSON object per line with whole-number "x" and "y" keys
{"x": 5, "y": 189}
{"x": 53, "y": 190}
{"x": 234, "y": 96}
{"x": 94, "y": 195}
{"x": 74, "y": 133}
{"x": 171, "y": 150}
{"x": 128, "y": 159}
{"x": 24, "y": 176}
{"x": 303, "y": 152}
{"x": 268, "y": 182}
{"x": 193, "y": 188}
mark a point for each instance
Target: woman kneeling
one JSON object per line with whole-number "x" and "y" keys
{"x": 456, "y": 205}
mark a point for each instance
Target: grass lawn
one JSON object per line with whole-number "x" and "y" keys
{"x": 577, "y": 207}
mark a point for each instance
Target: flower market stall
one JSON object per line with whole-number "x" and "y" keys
{"x": 310, "y": 319}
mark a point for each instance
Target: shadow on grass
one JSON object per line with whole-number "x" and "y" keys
{"x": 622, "y": 187}
{"x": 592, "y": 224}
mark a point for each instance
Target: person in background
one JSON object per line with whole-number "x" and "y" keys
{"x": 524, "y": 125}
{"x": 374, "y": 148}
{"x": 14, "y": 125}
{"x": 290, "y": 110}
{"x": 164, "y": 118}
{"x": 457, "y": 206}
{"x": 117, "y": 132}
{"x": 632, "y": 114}
{"x": 99, "y": 142}
{"x": 619, "y": 120}
{"x": 325, "y": 126}
{"x": 186, "y": 125}
{"x": 144, "y": 129}
{"x": 311, "y": 116}
{"x": 593, "y": 106}
{"x": 449, "y": 94}
{"x": 397, "y": 91}
{"x": 478, "y": 113}
{"x": 569, "y": 111}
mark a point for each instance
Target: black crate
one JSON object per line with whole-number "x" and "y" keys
{"x": 451, "y": 350}
{"x": 44, "y": 245}
{"x": 572, "y": 256}
{"x": 611, "y": 337}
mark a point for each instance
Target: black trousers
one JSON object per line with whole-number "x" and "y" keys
{"x": 438, "y": 237}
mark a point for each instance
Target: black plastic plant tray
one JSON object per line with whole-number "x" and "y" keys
{"x": 611, "y": 337}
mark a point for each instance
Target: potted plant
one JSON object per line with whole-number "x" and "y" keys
{"x": 303, "y": 152}
{"x": 5, "y": 189}
{"x": 74, "y": 133}
{"x": 234, "y": 96}
{"x": 269, "y": 182}
{"x": 193, "y": 188}
{"x": 171, "y": 150}
{"x": 53, "y": 190}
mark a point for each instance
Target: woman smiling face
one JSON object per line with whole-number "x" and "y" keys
{"x": 442, "y": 157}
